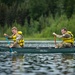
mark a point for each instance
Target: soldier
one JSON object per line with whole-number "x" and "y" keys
{"x": 67, "y": 37}
{"x": 17, "y": 37}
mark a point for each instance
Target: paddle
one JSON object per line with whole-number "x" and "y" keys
{"x": 55, "y": 39}
{"x": 9, "y": 44}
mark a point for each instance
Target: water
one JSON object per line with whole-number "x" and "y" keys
{"x": 37, "y": 64}
{"x": 34, "y": 43}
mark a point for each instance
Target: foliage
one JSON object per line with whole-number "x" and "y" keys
{"x": 46, "y": 32}
{"x": 37, "y": 18}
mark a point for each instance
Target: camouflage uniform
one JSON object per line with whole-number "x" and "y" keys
{"x": 18, "y": 40}
{"x": 18, "y": 37}
{"x": 68, "y": 40}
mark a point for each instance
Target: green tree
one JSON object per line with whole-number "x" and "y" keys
{"x": 52, "y": 7}
{"x": 69, "y": 7}
{"x": 37, "y": 8}
{"x": 3, "y": 9}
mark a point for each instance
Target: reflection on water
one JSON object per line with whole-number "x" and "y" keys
{"x": 37, "y": 64}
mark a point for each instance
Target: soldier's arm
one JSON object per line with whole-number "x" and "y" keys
{"x": 6, "y": 35}
{"x": 59, "y": 36}
{"x": 66, "y": 35}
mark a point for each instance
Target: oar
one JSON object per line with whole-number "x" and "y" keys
{"x": 55, "y": 40}
{"x": 9, "y": 44}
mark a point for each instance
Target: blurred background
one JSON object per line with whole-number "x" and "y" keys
{"x": 37, "y": 18}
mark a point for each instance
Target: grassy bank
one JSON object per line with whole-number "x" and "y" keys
{"x": 34, "y": 39}
{"x": 28, "y": 39}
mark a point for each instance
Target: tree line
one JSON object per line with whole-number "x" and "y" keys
{"x": 34, "y": 14}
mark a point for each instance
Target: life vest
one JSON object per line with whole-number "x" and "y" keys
{"x": 70, "y": 39}
{"x": 21, "y": 42}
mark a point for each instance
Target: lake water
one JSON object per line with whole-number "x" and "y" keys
{"x": 37, "y": 64}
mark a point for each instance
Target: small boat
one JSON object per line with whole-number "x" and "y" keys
{"x": 39, "y": 50}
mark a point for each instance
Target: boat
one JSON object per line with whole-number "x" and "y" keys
{"x": 39, "y": 50}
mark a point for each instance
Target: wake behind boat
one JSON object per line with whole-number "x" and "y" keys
{"x": 39, "y": 50}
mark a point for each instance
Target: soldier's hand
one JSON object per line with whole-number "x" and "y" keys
{"x": 5, "y": 34}
{"x": 11, "y": 46}
{"x": 54, "y": 33}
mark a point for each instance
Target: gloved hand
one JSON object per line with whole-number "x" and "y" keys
{"x": 5, "y": 34}
{"x": 54, "y": 33}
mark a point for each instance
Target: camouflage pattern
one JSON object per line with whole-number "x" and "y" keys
{"x": 64, "y": 45}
